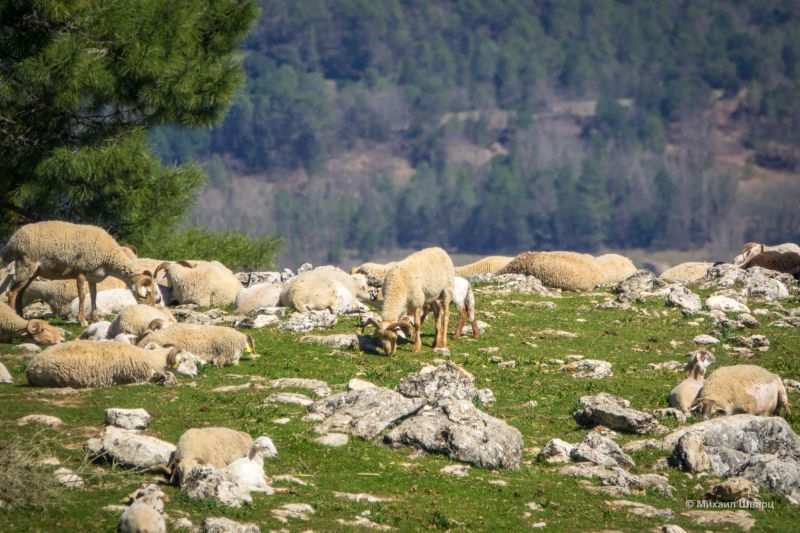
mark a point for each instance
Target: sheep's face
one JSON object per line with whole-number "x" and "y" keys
{"x": 43, "y": 332}
{"x": 182, "y": 362}
{"x": 265, "y": 447}
{"x": 708, "y": 408}
{"x": 700, "y": 360}
{"x": 387, "y": 332}
{"x": 144, "y": 288}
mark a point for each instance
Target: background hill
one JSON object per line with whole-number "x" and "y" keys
{"x": 491, "y": 126}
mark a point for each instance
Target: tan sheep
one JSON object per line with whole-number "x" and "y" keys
{"x": 742, "y": 389}
{"x": 205, "y": 283}
{"x": 13, "y": 326}
{"x": 685, "y": 393}
{"x": 59, "y": 293}
{"x": 686, "y": 272}
{"x": 219, "y": 345}
{"x": 145, "y": 512}
{"x": 215, "y": 446}
{"x": 753, "y": 248}
{"x": 61, "y": 250}
{"x": 260, "y": 295}
{"x": 325, "y": 287}
{"x": 420, "y": 278}
{"x": 375, "y": 272}
{"x": 136, "y": 319}
{"x": 615, "y": 267}
{"x": 487, "y": 265}
{"x": 83, "y": 364}
{"x": 464, "y": 300}
{"x": 561, "y": 270}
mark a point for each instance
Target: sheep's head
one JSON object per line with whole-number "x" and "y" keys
{"x": 264, "y": 446}
{"x": 700, "y": 361}
{"x": 43, "y": 332}
{"x": 150, "y": 495}
{"x": 387, "y": 332}
{"x": 144, "y": 288}
{"x": 182, "y": 362}
{"x": 707, "y": 407}
{"x": 751, "y": 249}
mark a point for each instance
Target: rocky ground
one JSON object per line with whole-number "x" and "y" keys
{"x": 555, "y": 418}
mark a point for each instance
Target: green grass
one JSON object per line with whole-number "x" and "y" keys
{"x": 425, "y": 499}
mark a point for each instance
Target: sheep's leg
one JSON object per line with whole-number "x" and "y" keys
{"x": 462, "y": 318}
{"x": 476, "y": 331}
{"x": 81, "y": 281}
{"x": 417, "y": 330}
{"x": 24, "y": 274}
{"x": 93, "y": 295}
{"x": 445, "y": 318}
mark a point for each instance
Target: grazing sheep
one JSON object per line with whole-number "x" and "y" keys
{"x": 136, "y": 319}
{"x": 219, "y": 345}
{"x": 60, "y": 293}
{"x": 205, "y": 283}
{"x": 260, "y": 295}
{"x": 753, "y": 248}
{"x": 248, "y": 472}
{"x": 742, "y": 389}
{"x": 615, "y": 267}
{"x": 12, "y": 326}
{"x": 325, "y": 287}
{"x": 420, "y": 278}
{"x": 487, "y": 265}
{"x": 686, "y": 272}
{"x": 215, "y": 446}
{"x": 375, "y": 272}
{"x": 145, "y": 514}
{"x": 684, "y": 394}
{"x": 561, "y": 270}
{"x": 61, "y": 250}
{"x": 464, "y": 300}
{"x": 84, "y": 364}
{"x": 788, "y": 262}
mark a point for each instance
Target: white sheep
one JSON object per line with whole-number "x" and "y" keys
{"x": 60, "y": 293}
{"x": 260, "y": 295}
{"x": 686, "y": 272}
{"x": 742, "y": 389}
{"x": 418, "y": 279}
{"x": 97, "y": 331}
{"x": 248, "y": 472}
{"x": 84, "y": 364}
{"x": 109, "y": 303}
{"x": 487, "y": 265}
{"x": 61, "y": 250}
{"x": 325, "y": 287}
{"x": 752, "y": 249}
{"x": 560, "y": 270}
{"x": 374, "y": 272}
{"x": 464, "y": 300}
{"x": 219, "y": 345}
{"x": 12, "y": 326}
{"x": 136, "y": 319}
{"x": 615, "y": 267}
{"x": 685, "y": 393}
{"x": 145, "y": 513}
{"x": 215, "y": 446}
{"x": 205, "y": 283}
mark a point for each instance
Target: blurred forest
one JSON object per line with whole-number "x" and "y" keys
{"x": 508, "y": 125}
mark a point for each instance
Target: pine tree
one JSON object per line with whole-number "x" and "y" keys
{"x": 80, "y": 85}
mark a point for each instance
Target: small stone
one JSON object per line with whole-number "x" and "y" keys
{"x": 67, "y": 477}
{"x": 507, "y": 364}
{"x": 296, "y": 511}
{"x": 489, "y": 349}
{"x": 671, "y": 412}
{"x": 444, "y": 352}
{"x": 356, "y": 384}
{"x": 289, "y": 479}
{"x": 556, "y": 451}
{"x": 183, "y": 523}
{"x": 539, "y": 525}
{"x": 530, "y": 404}
{"x": 731, "y": 490}
{"x": 533, "y": 506}
{"x": 705, "y": 340}
{"x": 739, "y": 518}
{"x": 45, "y": 420}
{"x": 726, "y": 305}
{"x": 333, "y": 440}
{"x": 289, "y": 397}
{"x": 127, "y": 418}
{"x": 28, "y": 347}
{"x": 362, "y": 497}
{"x": 672, "y": 528}
{"x": 226, "y": 525}
{"x": 455, "y": 470}
{"x": 639, "y": 509}
{"x": 486, "y": 396}
{"x": 281, "y": 421}
{"x": 588, "y": 369}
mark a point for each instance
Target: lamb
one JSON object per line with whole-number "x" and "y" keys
{"x": 11, "y": 326}
{"x": 109, "y": 303}
{"x": 420, "y": 278}
{"x": 98, "y": 331}
{"x": 145, "y": 513}
{"x": 487, "y": 265}
{"x": 561, "y": 270}
{"x": 60, "y": 293}
{"x": 205, "y": 283}
{"x": 219, "y": 345}
{"x": 374, "y": 272}
{"x": 325, "y": 287}
{"x": 686, "y": 272}
{"x": 742, "y": 389}
{"x": 86, "y": 364}
{"x": 752, "y": 249}
{"x": 255, "y": 296}
{"x": 248, "y": 472}
{"x": 215, "y": 446}
{"x": 136, "y": 319}
{"x": 684, "y": 394}
{"x": 788, "y": 262}
{"x": 615, "y": 267}
{"x": 61, "y": 250}
{"x": 464, "y": 300}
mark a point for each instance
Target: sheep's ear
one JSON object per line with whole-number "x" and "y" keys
{"x": 155, "y": 324}
{"x": 34, "y": 326}
{"x": 132, "y": 248}
{"x": 172, "y": 357}
{"x": 353, "y": 270}
{"x": 163, "y": 266}
{"x": 152, "y": 346}
{"x": 406, "y": 325}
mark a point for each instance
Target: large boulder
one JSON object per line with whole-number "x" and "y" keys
{"x": 206, "y": 482}
{"x": 685, "y": 299}
{"x": 129, "y": 448}
{"x": 434, "y": 383}
{"x": 614, "y": 413}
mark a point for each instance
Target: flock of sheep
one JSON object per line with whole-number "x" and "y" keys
{"x": 55, "y": 262}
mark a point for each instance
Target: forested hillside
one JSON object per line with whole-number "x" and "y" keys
{"x": 504, "y": 125}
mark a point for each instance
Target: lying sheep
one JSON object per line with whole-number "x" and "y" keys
{"x": 615, "y": 267}
{"x": 97, "y": 331}
{"x": 323, "y": 288}
{"x": 136, "y": 319}
{"x": 742, "y": 389}
{"x": 13, "y": 326}
{"x": 60, "y": 293}
{"x": 752, "y": 249}
{"x": 215, "y": 446}
{"x": 418, "y": 279}
{"x": 788, "y": 262}
{"x": 247, "y": 472}
{"x": 109, "y": 303}
{"x": 686, "y": 272}
{"x": 464, "y": 300}
{"x": 145, "y": 512}
{"x": 561, "y": 270}
{"x": 83, "y": 364}
{"x": 487, "y": 265}
{"x": 374, "y": 272}
{"x": 219, "y": 345}
{"x": 61, "y": 250}
{"x": 685, "y": 393}
{"x": 260, "y": 295}
{"x": 205, "y": 283}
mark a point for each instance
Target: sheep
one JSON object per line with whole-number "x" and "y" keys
{"x": 61, "y": 250}
{"x": 684, "y": 394}
{"x": 60, "y": 293}
{"x": 98, "y": 331}
{"x": 464, "y": 300}
{"x": 12, "y": 325}
{"x": 487, "y": 265}
{"x": 686, "y": 272}
{"x": 145, "y": 513}
{"x": 753, "y": 248}
{"x": 248, "y": 472}
{"x": 418, "y": 279}
{"x": 205, "y": 283}
{"x": 325, "y": 287}
{"x": 374, "y": 272}
{"x": 219, "y": 345}
{"x": 215, "y": 446}
{"x": 742, "y": 389}
{"x": 137, "y": 318}
{"x": 615, "y": 267}
{"x": 87, "y": 364}
{"x": 788, "y": 262}
{"x": 255, "y": 296}
{"x": 560, "y": 270}
{"x": 109, "y": 303}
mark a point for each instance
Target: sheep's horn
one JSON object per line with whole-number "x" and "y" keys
{"x": 163, "y": 266}
{"x": 185, "y": 263}
{"x": 370, "y": 322}
{"x": 132, "y": 248}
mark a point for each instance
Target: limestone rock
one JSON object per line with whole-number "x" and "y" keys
{"x": 45, "y": 420}
{"x": 435, "y": 383}
{"x": 127, "y": 418}
{"x": 225, "y": 525}
{"x": 731, "y": 490}
{"x": 486, "y": 396}
{"x": 601, "y": 451}
{"x": 639, "y": 509}
{"x": 206, "y": 482}
{"x": 684, "y": 299}
{"x": 671, "y": 412}
{"x": 614, "y": 413}
{"x": 334, "y": 440}
{"x": 5, "y": 376}
{"x": 296, "y": 511}
{"x": 726, "y": 305}
{"x": 753, "y": 341}
{"x": 588, "y": 369}
{"x": 342, "y": 341}
{"x": 289, "y": 397}
{"x": 456, "y": 470}
{"x": 129, "y": 448}
{"x": 641, "y": 282}
{"x": 68, "y": 478}
{"x": 556, "y": 451}
{"x": 256, "y": 322}
{"x": 319, "y": 387}
{"x": 739, "y": 518}
{"x": 308, "y": 321}
{"x": 705, "y": 340}
{"x": 28, "y": 347}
